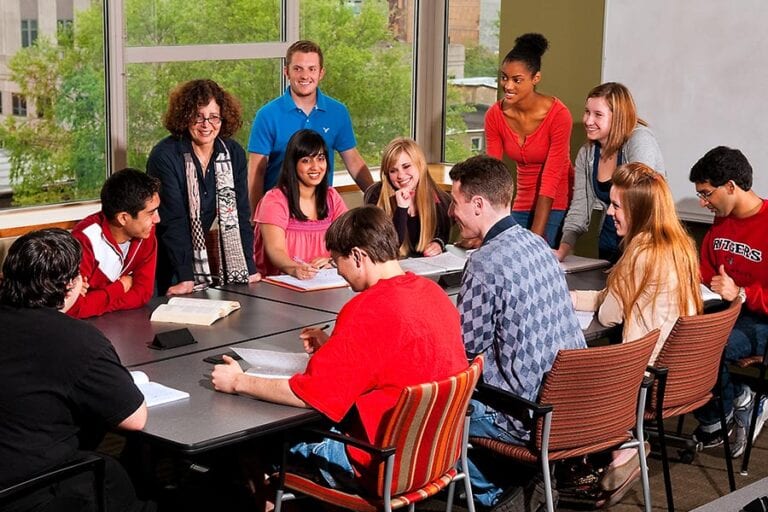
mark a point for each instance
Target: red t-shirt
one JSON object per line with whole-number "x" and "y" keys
{"x": 543, "y": 160}
{"x": 399, "y": 332}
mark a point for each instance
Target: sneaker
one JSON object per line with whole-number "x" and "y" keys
{"x": 739, "y": 443}
{"x": 512, "y": 500}
{"x": 710, "y": 439}
{"x": 762, "y": 415}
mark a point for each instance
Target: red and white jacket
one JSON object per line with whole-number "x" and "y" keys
{"x": 103, "y": 264}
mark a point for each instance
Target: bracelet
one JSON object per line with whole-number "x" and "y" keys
{"x": 439, "y": 242}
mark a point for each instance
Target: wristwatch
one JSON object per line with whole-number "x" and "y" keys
{"x": 742, "y": 295}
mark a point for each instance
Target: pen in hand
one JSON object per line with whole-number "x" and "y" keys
{"x": 313, "y": 338}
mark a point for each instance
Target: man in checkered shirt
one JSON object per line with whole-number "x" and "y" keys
{"x": 514, "y": 303}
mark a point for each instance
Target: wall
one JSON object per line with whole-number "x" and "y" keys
{"x": 697, "y": 70}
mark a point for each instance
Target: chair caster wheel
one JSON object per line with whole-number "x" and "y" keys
{"x": 686, "y": 456}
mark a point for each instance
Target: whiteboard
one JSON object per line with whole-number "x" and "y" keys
{"x": 698, "y": 70}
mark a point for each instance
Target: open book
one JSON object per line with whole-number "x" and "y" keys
{"x": 271, "y": 364}
{"x": 181, "y": 310}
{"x": 154, "y": 393}
{"x": 573, "y": 263}
{"x": 430, "y": 265}
{"x": 324, "y": 279}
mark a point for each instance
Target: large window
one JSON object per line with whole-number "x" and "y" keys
{"x": 82, "y": 118}
{"x": 471, "y": 74}
{"x": 28, "y": 32}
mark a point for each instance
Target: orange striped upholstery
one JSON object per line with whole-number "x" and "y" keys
{"x": 426, "y": 429}
{"x": 692, "y": 354}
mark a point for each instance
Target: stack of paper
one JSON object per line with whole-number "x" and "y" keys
{"x": 573, "y": 263}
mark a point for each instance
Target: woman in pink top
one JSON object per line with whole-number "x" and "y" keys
{"x": 292, "y": 218}
{"x": 534, "y": 130}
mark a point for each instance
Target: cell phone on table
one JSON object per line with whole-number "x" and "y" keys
{"x": 219, "y": 358}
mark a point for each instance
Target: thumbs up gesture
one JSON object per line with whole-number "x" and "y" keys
{"x": 723, "y": 284}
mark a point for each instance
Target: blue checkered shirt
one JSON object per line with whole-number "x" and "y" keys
{"x": 515, "y": 308}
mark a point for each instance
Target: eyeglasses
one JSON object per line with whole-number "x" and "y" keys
{"x": 213, "y": 120}
{"x": 704, "y": 196}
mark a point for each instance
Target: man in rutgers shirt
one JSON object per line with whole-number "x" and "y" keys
{"x": 119, "y": 246}
{"x": 733, "y": 264}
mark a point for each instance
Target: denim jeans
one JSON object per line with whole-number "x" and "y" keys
{"x": 748, "y": 338}
{"x": 485, "y": 482}
{"x": 329, "y": 457}
{"x": 554, "y": 223}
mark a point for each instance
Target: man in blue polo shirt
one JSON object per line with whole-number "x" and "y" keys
{"x": 301, "y": 106}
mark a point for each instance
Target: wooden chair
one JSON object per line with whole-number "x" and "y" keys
{"x": 686, "y": 373}
{"x": 89, "y": 463}
{"x": 589, "y": 401}
{"x": 424, "y": 450}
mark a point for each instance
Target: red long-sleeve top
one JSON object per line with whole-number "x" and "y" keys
{"x": 543, "y": 159}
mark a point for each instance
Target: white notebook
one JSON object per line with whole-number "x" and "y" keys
{"x": 324, "y": 279}
{"x": 155, "y": 393}
{"x": 430, "y": 265}
{"x": 573, "y": 263}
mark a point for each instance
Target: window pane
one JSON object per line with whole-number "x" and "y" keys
{"x": 52, "y": 136}
{"x": 185, "y": 22}
{"x": 368, "y": 52}
{"x": 253, "y": 82}
{"x": 472, "y": 70}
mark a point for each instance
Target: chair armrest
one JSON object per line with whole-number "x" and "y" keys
{"x": 89, "y": 463}
{"x": 352, "y": 441}
{"x": 507, "y": 402}
{"x": 750, "y": 361}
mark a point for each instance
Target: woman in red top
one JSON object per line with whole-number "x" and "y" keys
{"x": 534, "y": 130}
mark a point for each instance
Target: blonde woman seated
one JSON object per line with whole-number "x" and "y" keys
{"x": 292, "y": 218}
{"x": 409, "y": 195}
{"x": 656, "y": 280}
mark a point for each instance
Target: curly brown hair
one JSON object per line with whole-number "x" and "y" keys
{"x": 187, "y": 97}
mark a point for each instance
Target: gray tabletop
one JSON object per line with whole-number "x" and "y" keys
{"x": 209, "y": 419}
{"x": 131, "y": 331}
{"x": 331, "y": 300}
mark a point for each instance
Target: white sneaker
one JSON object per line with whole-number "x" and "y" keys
{"x": 762, "y": 415}
{"x": 739, "y": 443}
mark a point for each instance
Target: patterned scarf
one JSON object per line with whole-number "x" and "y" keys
{"x": 232, "y": 267}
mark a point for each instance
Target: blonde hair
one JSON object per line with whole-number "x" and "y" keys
{"x": 654, "y": 231}
{"x": 624, "y": 118}
{"x": 426, "y": 191}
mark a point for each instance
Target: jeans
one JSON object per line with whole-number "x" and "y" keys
{"x": 487, "y": 485}
{"x": 748, "y": 338}
{"x": 554, "y": 223}
{"x": 329, "y": 457}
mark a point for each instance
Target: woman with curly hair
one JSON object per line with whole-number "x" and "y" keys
{"x": 412, "y": 199}
{"x": 656, "y": 280}
{"x": 203, "y": 172}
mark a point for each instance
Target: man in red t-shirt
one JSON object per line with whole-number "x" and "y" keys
{"x": 733, "y": 264}
{"x": 400, "y": 330}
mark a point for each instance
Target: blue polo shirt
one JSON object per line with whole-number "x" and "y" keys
{"x": 279, "y": 119}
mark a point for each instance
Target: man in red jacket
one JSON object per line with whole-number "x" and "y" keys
{"x": 119, "y": 246}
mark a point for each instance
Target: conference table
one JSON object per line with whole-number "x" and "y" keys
{"x": 270, "y": 317}
{"x": 131, "y": 331}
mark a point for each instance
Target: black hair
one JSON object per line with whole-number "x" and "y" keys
{"x": 39, "y": 268}
{"x": 303, "y": 143}
{"x": 528, "y": 48}
{"x": 720, "y": 165}
{"x": 127, "y": 190}
{"x": 368, "y": 228}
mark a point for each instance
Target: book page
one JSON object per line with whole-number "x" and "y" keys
{"x": 707, "y": 294}
{"x": 573, "y": 263}
{"x": 585, "y": 318}
{"x": 227, "y": 306}
{"x": 272, "y": 364}
{"x": 419, "y": 267}
{"x": 196, "y": 315}
{"x": 325, "y": 278}
{"x": 155, "y": 393}
{"x": 448, "y": 261}
{"x": 430, "y": 265}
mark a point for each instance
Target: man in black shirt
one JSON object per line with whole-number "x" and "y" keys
{"x": 63, "y": 383}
